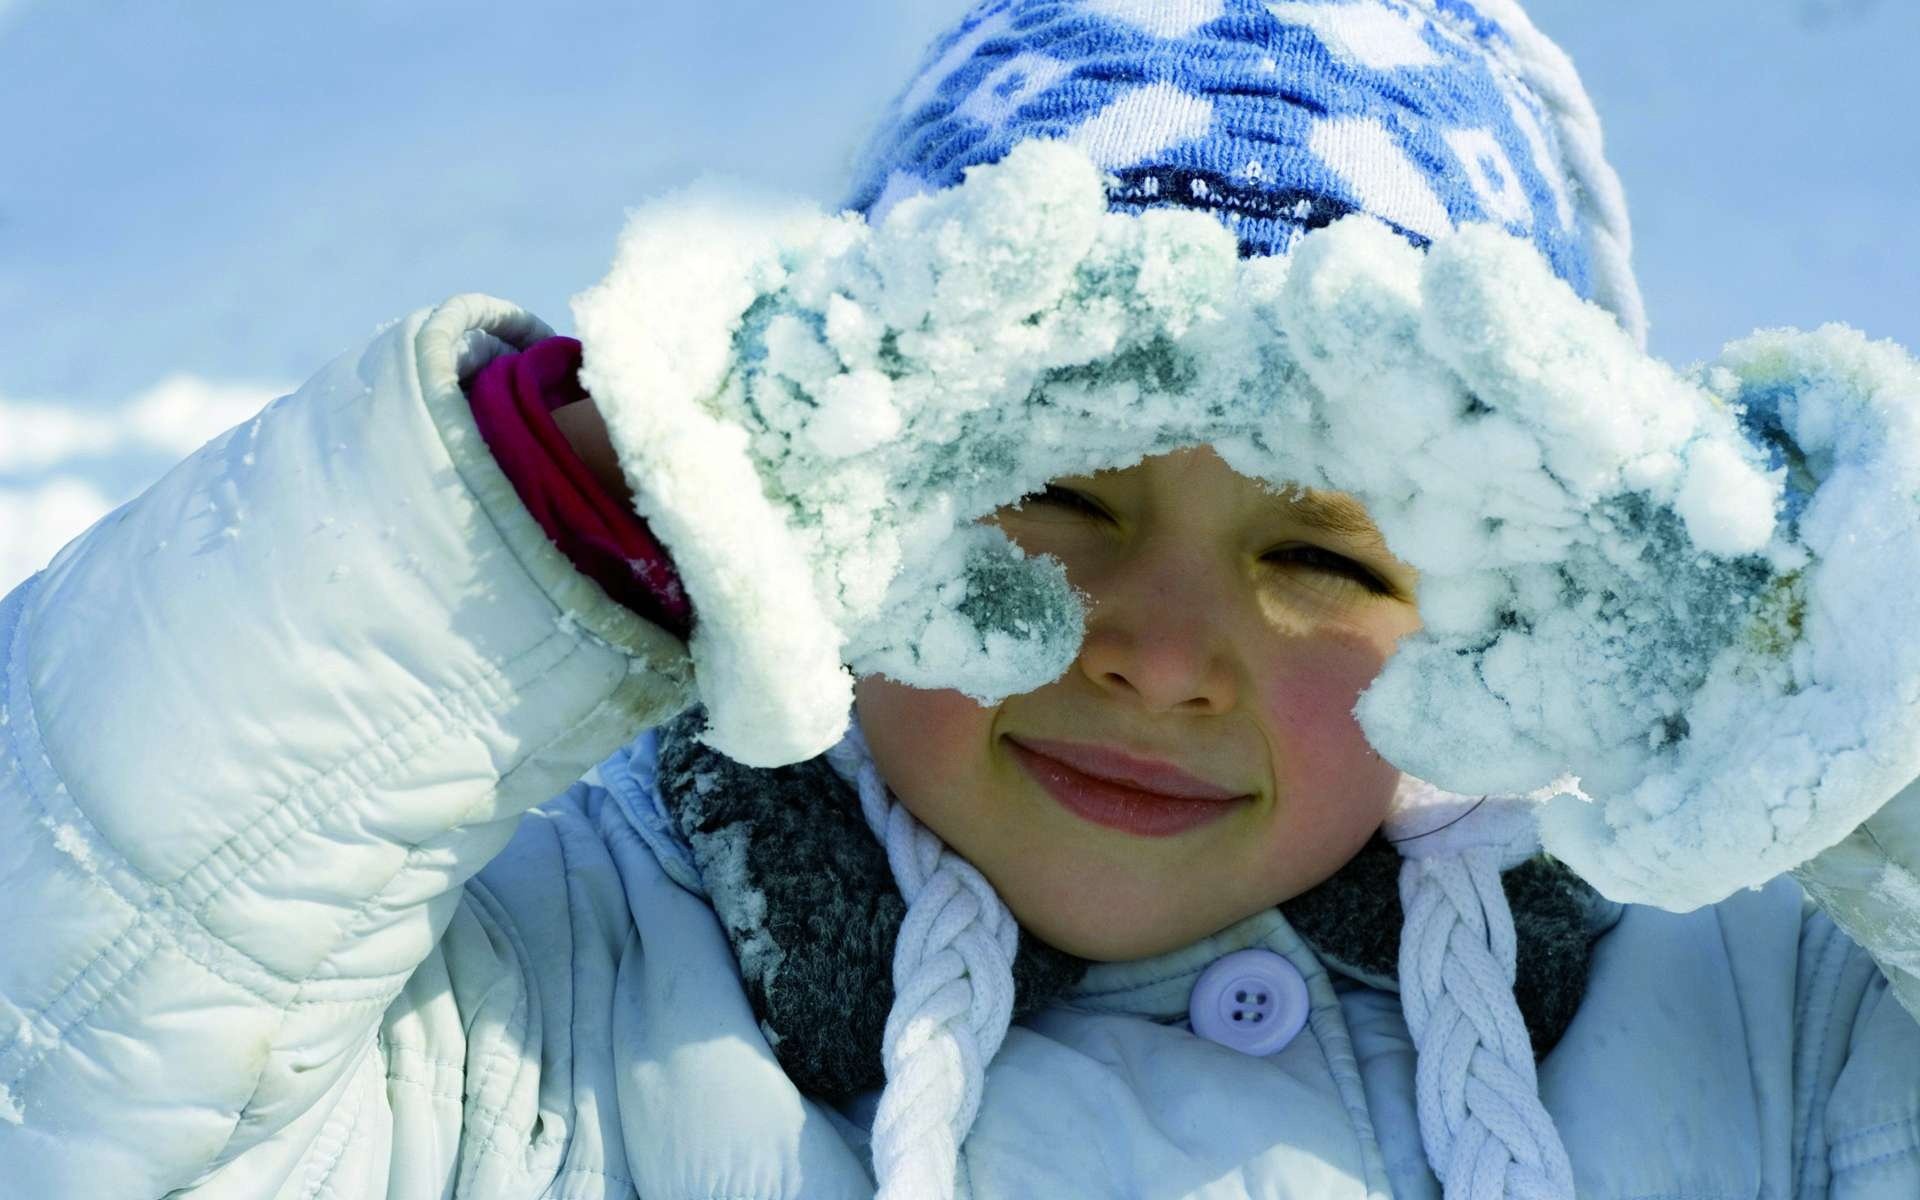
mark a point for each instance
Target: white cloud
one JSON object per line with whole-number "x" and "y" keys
{"x": 36, "y": 521}
{"x": 173, "y": 417}
{"x": 68, "y": 452}
{"x": 38, "y": 436}
{"x": 182, "y": 412}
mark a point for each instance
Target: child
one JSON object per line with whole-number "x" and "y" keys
{"x": 297, "y": 912}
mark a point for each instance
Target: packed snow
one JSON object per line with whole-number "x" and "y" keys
{"x": 1693, "y": 593}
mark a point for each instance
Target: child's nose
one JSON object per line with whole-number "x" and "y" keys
{"x": 1160, "y": 638}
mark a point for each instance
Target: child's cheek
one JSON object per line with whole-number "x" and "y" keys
{"x": 1319, "y": 752}
{"x": 921, "y": 739}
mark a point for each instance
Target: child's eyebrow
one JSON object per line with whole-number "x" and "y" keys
{"x": 1329, "y": 512}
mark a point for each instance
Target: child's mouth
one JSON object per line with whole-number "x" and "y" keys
{"x": 1123, "y": 806}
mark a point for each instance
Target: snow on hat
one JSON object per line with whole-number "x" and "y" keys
{"x": 1280, "y": 116}
{"x": 1276, "y": 116}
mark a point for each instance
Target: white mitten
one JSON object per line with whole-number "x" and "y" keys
{"x": 1808, "y": 720}
{"x": 1695, "y": 595}
{"x": 813, "y": 414}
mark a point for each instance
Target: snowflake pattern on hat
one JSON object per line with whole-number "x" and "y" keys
{"x": 1278, "y": 116}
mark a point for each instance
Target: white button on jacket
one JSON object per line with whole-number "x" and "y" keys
{"x": 1253, "y": 1001}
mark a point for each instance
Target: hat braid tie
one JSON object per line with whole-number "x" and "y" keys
{"x": 1487, "y": 1134}
{"x": 953, "y": 993}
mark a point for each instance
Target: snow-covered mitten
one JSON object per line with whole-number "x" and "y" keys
{"x": 1808, "y": 721}
{"x": 814, "y": 413}
{"x": 1697, "y": 595}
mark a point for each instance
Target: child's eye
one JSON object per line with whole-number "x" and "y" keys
{"x": 1057, "y": 496}
{"x": 1318, "y": 558}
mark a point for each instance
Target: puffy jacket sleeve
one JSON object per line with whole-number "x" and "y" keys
{"x": 1869, "y": 885}
{"x": 1857, "y": 1065}
{"x": 257, "y": 729}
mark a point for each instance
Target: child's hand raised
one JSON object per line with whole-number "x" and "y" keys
{"x": 1700, "y": 597}
{"x": 813, "y": 414}
{"x": 1808, "y": 719}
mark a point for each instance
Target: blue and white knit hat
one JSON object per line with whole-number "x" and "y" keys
{"x": 1280, "y": 116}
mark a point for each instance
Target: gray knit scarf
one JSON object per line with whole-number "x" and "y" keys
{"x": 810, "y": 907}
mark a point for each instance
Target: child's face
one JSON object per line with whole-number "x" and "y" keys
{"x": 1229, "y": 632}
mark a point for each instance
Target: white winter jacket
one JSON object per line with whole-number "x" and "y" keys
{"x": 279, "y": 921}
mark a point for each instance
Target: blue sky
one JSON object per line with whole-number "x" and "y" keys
{"x": 222, "y": 195}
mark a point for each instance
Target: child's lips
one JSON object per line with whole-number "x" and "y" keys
{"x": 1117, "y": 766}
{"x": 1120, "y": 805}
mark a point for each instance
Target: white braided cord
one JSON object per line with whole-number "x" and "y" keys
{"x": 1546, "y": 69}
{"x": 1486, "y": 1132}
{"x": 953, "y": 992}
